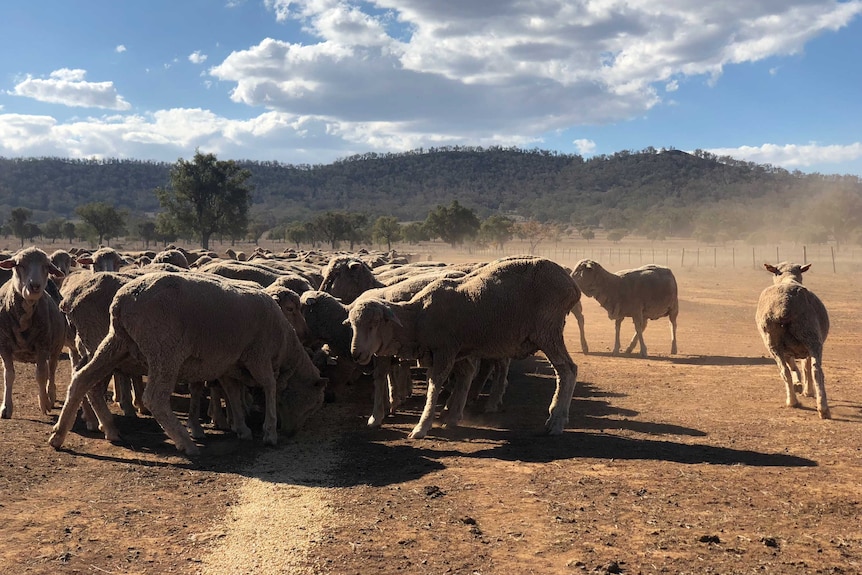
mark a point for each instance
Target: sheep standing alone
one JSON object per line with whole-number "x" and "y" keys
{"x": 645, "y": 293}
{"x": 793, "y": 323}
{"x": 192, "y": 327}
{"x": 506, "y": 309}
{"x": 32, "y": 328}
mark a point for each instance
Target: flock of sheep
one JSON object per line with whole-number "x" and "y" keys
{"x": 297, "y": 325}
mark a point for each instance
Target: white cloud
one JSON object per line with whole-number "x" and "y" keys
{"x": 197, "y": 58}
{"x": 120, "y": 48}
{"x": 508, "y": 69}
{"x": 585, "y": 147}
{"x": 68, "y": 87}
{"x": 794, "y": 156}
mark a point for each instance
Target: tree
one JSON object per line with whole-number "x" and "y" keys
{"x": 18, "y": 223}
{"x": 166, "y": 228}
{"x": 297, "y": 233}
{"x": 333, "y": 227}
{"x": 53, "y": 229}
{"x": 208, "y": 196}
{"x": 69, "y": 231}
{"x": 415, "y": 232}
{"x": 588, "y": 234}
{"x": 532, "y": 231}
{"x": 453, "y": 224}
{"x": 386, "y": 229}
{"x": 497, "y": 229}
{"x": 106, "y": 221}
{"x": 147, "y": 232}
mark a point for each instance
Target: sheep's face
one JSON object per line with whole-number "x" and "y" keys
{"x": 30, "y": 271}
{"x": 104, "y": 260}
{"x": 786, "y": 271}
{"x": 346, "y": 279}
{"x": 297, "y": 401}
{"x": 373, "y": 323}
{"x": 584, "y": 276}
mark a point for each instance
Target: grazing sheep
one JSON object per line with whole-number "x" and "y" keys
{"x": 511, "y": 308}
{"x": 645, "y": 293}
{"x": 346, "y": 277}
{"x": 194, "y": 328}
{"x": 793, "y": 323}
{"x": 32, "y": 328}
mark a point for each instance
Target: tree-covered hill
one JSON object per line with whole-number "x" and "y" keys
{"x": 668, "y": 187}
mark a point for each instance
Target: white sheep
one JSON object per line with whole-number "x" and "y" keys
{"x": 103, "y": 260}
{"x": 32, "y": 328}
{"x": 193, "y": 327}
{"x": 645, "y": 293}
{"x": 794, "y": 324}
{"x": 506, "y": 309}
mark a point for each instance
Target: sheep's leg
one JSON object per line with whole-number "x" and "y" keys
{"x": 91, "y": 421}
{"x": 807, "y": 377}
{"x": 820, "y": 387}
{"x": 123, "y": 394}
{"x": 463, "y": 372}
{"x": 157, "y": 398}
{"x": 400, "y": 385}
{"x": 53, "y": 361}
{"x": 95, "y": 399}
{"x": 215, "y": 410}
{"x": 672, "y": 317}
{"x": 382, "y": 366}
{"x": 787, "y": 378}
{"x": 578, "y": 312}
{"x": 486, "y": 368}
{"x": 265, "y": 379}
{"x": 498, "y": 386}
{"x": 438, "y": 372}
{"x": 638, "y": 337}
{"x": 138, "y": 390}
{"x": 42, "y": 384}
{"x": 8, "y": 380}
{"x": 233, "y": 393}
{"x": 567, "y": 378}
{"x": 193, "y": 423}
{"x": 616, "y": 349}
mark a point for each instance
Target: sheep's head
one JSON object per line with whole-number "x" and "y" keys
{"x": 373, "y": 322}
{"x": 346, "y": 278}
{"x": 584, "y": 274}
{"x": 103, "y": 260}
{"x": 30, "y": 270}
{"x": 786, "y": 271}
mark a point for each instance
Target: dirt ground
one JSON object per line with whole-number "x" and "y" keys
{"x": 672, "y": 464}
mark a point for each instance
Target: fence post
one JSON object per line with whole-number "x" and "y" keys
{"x": 715, "y": 257}
{"x": 733, "y": 255}
{"x": 682, "y": 259}
{"x": 777, "y": 257}
{"x": 804, "y": 255}
{"x": 753, "y": 258}
{"x": 832, "y": 249}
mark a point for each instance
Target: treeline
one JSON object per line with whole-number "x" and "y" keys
{"x": 657, "y": 193}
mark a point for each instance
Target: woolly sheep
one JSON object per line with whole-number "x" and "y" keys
{"x": 506, "y": 309}
{"x": 64, "y": 262}
{"x": 645, "y": 293}
{"x": 794, "y": 324}
{"x": 192, "y": 327}
{"x": 103, "y": 260}
{"x": 32, "y": 328}
{"x": 346, "y": 277}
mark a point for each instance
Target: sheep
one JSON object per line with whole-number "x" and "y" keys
{"x": 505, "y": 309}
{"x": 64, "y": 262}
{"x": 645, "y": 293}
{"x": 173, "y": 256}
{"x": 346, "y": 277}
{"x": 240, "y": 271}
{"x": 194, "y": 328}
{"x": 103, "y": 260}
{"x": 794, "y": 324}
{"x": 32, "y": 328}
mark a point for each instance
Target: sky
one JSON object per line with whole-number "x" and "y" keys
{"x": 312, "y": 81}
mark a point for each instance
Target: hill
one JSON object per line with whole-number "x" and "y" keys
{"x": 614, "y": 191}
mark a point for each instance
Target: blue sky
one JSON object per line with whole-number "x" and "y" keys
{"x": 311, "y": 81}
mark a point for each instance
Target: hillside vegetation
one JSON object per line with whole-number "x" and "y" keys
{"x": 670, "y": 191}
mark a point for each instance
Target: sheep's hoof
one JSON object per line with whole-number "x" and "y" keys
{"x": 6, "y": 412}
{"x": 191, "y": 450}
{"x": 825, "y": 414}
{"x": 417, "y": 434}
{"x": 270, "y": 439}
{"x": 374, "y": 421}
{"x": 56, "y": 440}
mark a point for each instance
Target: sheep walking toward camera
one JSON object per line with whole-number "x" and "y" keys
{"x": 793, "y": 323}
{"x": 32, "y": 328}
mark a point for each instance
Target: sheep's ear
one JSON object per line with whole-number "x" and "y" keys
{"x": 55, "y": 271}
{"x": 354, "y": 265}
{"x": 771, "y": 269}
{"x": 389, "y": 315}
{"x": 85, "y": 261}
{"x": 8, "y": 264}
{"x": 346, "y": 322}
{"x": 804, "y": 268}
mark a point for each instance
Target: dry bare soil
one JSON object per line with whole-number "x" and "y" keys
{"x": 672, "y": 464}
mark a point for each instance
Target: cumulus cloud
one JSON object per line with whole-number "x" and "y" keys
{"x": 585, "y": 147}
{"x": 120, "y": 48}
{"x": 510, "y": 70}
{"x": 68, "y": 87}
{"x": 197, "y": 58}
{"x": 794, "y": 156}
